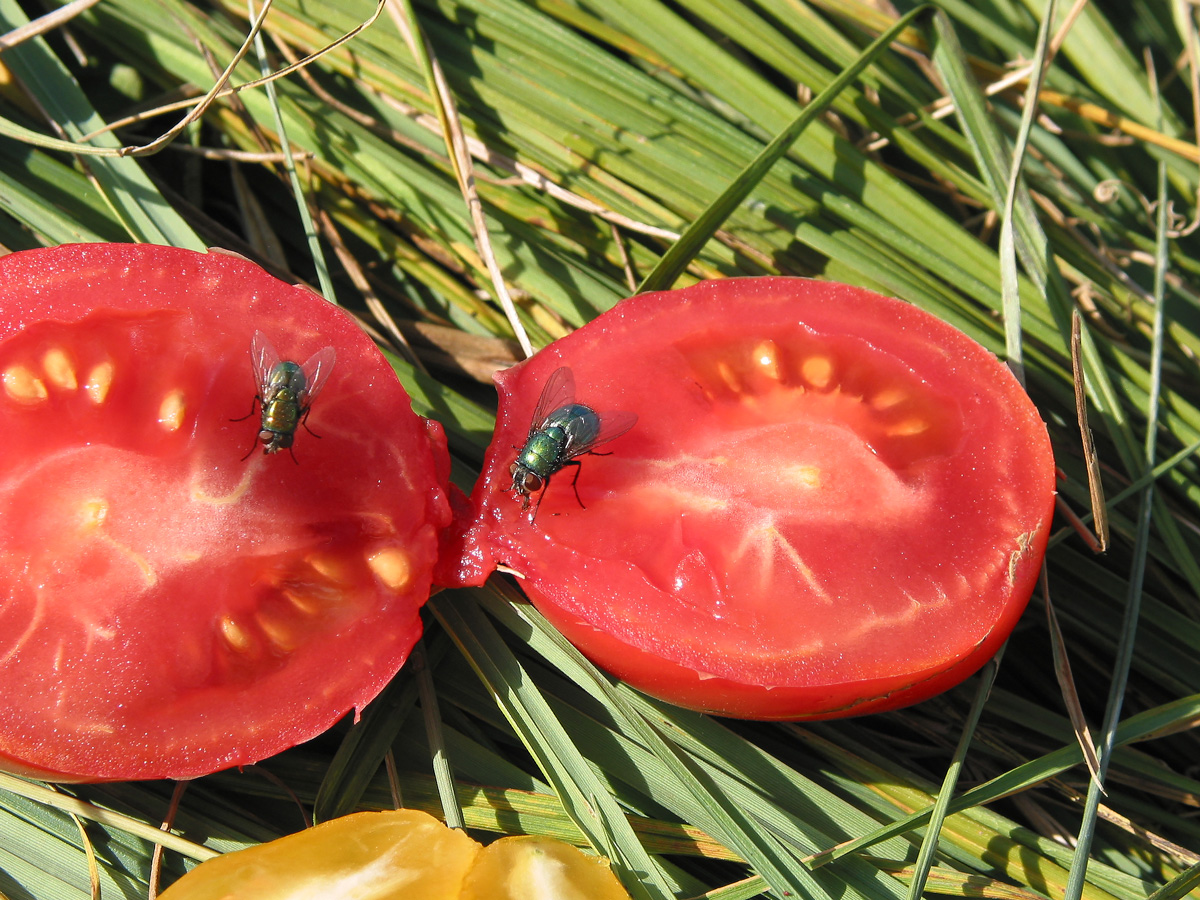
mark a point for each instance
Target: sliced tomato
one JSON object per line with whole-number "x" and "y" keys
{"x": 385, "y": 855}
{"x": 400, "y": 854}
{"x": 528, "y": 867}
{"x": 173, "y": 600}
{"x": 831, "y": 501}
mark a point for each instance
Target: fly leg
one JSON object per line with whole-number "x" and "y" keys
{"x": 304, "y": 422}
{"x": 575, "y": 481}
{"x": 253, "y": 407}
{"x": 546, "y": 486}
{"x": 579, "y": 468}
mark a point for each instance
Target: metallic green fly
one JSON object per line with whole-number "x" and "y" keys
{"x": 286, "y": 391}
{"x": 560, "y": 431}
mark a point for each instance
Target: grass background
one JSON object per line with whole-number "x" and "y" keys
{"x": 601, "y": 130}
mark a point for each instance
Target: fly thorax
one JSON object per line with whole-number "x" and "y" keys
{"x": 542, "y": 452}
{"x": 288, "y": 376}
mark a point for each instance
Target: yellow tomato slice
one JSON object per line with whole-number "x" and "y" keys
{"x": 539, "y": 868}
{"x": 399, "y": 854}
{"x": 365, "y": 856}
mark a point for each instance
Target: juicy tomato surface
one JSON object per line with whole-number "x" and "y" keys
{"x": 400, "y": 855}
{"x": 173, "y": 600}
{"x": 831, "y": 502}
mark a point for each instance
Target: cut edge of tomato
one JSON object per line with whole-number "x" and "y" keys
{"x": 682, "y": 685}
{"x": 715, "y": 695}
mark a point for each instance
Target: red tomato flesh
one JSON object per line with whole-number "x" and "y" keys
{"x": 831, "y": 503}
{"x": 169, "y": 608}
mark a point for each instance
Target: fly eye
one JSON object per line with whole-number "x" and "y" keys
{"x": 512, "y": 469}
{"x": 531, "y": 483}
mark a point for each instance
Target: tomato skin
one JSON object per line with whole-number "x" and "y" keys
{"x": 171, "y": 605}
{"x": 685, "y": 687}
{"x": 832, "y": 502}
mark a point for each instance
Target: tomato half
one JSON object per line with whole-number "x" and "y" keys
{"x": 173, "y": 600}
{"x": 831, "y": 501}
{"x": 385, "y": 855}
{"x": 400, "y": 854}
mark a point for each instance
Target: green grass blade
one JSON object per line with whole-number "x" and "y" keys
{"x": 358, "y": 758}
{"x": 442, "y": 772}
{"x": 1014, "y": 188}
{"x": 937, "y": 815}
{"x": 721, "y": 811}
{"x": 310, "y": 231}
{"x": 683, "y": 251}
{"x": 585, "y": 798}
{"x": 1028, "y": 774}
{"x": 133, "y": 197}
{"x": 1133, "y": 606}
{"x": 1182, "y": 884}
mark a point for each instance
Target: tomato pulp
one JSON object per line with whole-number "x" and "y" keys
{"x": 172, "y": 605}
{"x": 831, "y": 503}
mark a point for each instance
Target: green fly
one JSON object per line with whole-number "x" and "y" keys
{"x": 560, "y": 431}
{"x": 286, "y": 391}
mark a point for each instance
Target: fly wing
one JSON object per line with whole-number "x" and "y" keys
{"x": 558, "y": 391}
{"x": 613, "y": 425}
{"x": 263, "y": 358}
{"x": 316, "y": 373}
{"x": 585, "y": 431}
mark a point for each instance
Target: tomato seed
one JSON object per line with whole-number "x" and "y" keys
{"x": 817, "y": 371}
{"x": 59, "y": 369}
{"x": 280, "y": 633}
{"x": 729, "y": 376}
{"x": 23, "y": 386}
{"x": 887, "y": 398}
{"x": 235, "y": 635}
{"x": 171, "y": 410}
{"x": 392, "y": 567}
{"x": 98, "y": 382}
{"x": 908, "y": 428}
{"x": 766, "y": 354}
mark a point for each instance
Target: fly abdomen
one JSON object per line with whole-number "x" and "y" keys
{"x": 282, "y": 413}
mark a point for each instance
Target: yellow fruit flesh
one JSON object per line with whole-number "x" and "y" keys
{"x": 399, "y": 855}
{"x": 365, "y": 856}
{"x": 538, "y": 868}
